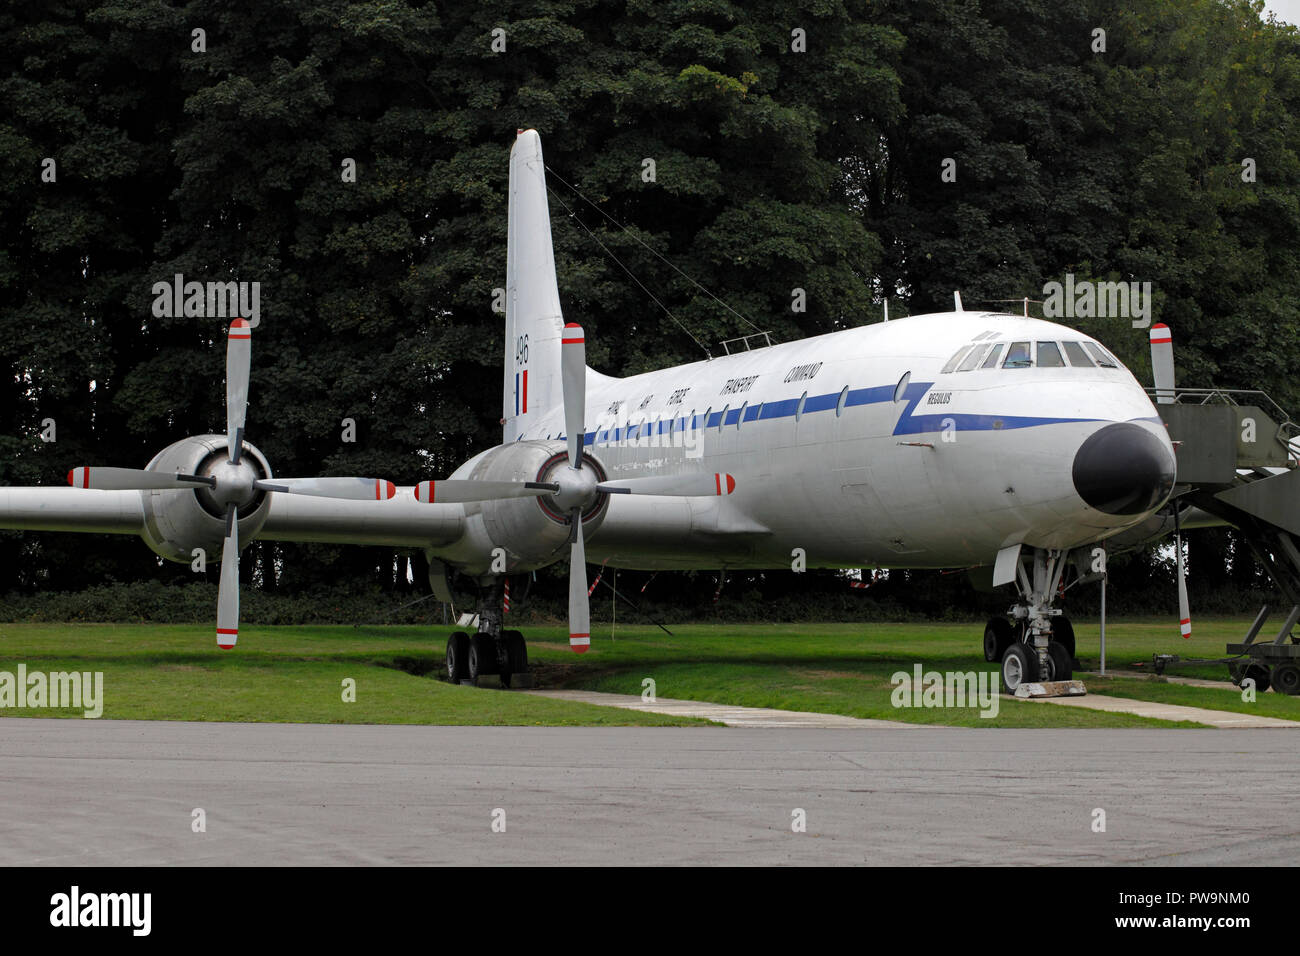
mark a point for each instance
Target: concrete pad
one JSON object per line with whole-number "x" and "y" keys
{"x": 122, "y": 793}
{"x": 1224, "y": 684}
{"x": 731, "y": 716}
{"x": 1149, "y": 708}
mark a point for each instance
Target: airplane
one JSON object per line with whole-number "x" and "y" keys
{"x": 950, "y": 440}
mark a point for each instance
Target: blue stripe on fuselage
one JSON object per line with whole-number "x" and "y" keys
{"x": 908, "y": 422}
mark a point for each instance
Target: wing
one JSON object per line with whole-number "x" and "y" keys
{"x": 399, "y": 522}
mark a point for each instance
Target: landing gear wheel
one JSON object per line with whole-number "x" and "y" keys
{"x": 482, "y": 656}
{"x": 458, "y": 657}
{"x": 1063, "y": 634}
{"x": 1019, "y": 666}
{"x": 1286, "y": 679}
{"x": 516, "y": 655}
{"x": 1258, "y": 673}
{"x": 998, "y": 636}
{"x": 1058, "y": 659}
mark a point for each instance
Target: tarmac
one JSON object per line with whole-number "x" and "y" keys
{"x": 101, "y": 792}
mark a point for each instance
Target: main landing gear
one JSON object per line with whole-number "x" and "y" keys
{"x": 1036, "y": 642}
{"x": 490, "y": 650}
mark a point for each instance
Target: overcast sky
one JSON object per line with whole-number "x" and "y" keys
{"x": 1288, "y": 10}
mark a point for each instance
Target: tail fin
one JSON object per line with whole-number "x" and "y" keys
{"x": 534, "y": 324}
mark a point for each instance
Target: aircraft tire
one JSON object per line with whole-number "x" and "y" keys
{"x": 1019, "y": 666}
{"x": 1061, "y": 661}
{"x": 516, "y": 655}
{"x": 998, "y": 636}
{"x": 1063, "y": 634}
{"x": 458, "y": 657}
{"x": 482, "y": 656}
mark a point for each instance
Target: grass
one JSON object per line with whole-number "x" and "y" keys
{"x": 281, "y": 674}
{"x": 296, "y": 674}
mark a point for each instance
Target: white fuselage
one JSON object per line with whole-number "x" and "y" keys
{"x": 830, "y": 455}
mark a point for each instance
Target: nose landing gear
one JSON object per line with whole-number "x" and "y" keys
{"x": 1036, "y": 643}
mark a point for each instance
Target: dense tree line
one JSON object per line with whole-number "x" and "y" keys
{"x": 795, "y": 145}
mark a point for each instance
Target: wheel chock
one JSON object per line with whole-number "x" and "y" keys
{"x": 1052, "y": 688}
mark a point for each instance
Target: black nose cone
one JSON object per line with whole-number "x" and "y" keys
{"x": 1123, "y": 469}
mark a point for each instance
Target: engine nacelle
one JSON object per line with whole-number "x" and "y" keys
{"x": 178, "y": 521}
{"x": 532, "y": 530}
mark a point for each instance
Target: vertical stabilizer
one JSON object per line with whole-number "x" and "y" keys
{"x": 534, "y": 323}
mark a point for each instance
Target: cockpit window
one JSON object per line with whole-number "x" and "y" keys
{"x": 1077, "y": 356}
{"x": 1049, "y": 355}
{"x": 952, "y": 362}
{"x": 972, "y": 358}
{"x": 1018, "y": 356}
{"x": 1104, "y": 358}
{"x": 992, "y": 360}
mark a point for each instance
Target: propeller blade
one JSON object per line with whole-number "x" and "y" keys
{"x": 1184, "y": 614}
{"x": 239, "y": 348}
{"x": 458, "y": 490}
{"x": 573, "y": 381}
{"x": 228, "y": 594}
{"x": 579, "y": 611}
{"x": 134, "y": 479}
{"x": 1162, "y": 363}
{"x": 353, "y": 489}
{"x": 687, "y": 486}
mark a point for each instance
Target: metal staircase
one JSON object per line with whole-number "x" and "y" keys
{"x": 1239, "y": 460}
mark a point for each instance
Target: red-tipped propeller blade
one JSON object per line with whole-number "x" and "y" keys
{"x": 352, "y": 489}
{"x": 228, "y": 593}
{"x": 239, "y": 353}
{"x": 133, "y": 479}
{"x": 686, "y": 486}
{"x": 456, "y": 490}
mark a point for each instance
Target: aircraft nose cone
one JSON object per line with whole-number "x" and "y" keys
{"x": 1123, "y": 469}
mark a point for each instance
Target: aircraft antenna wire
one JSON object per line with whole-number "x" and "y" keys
{"x": 631, "y": 275}
{"x": 655, "y": 252}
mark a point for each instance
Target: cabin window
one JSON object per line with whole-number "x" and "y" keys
{"x": 1049, "y": 355}
{"x": 722, "y": 416}
{"x": 844, "y": 397}
{"x": 1103, "y": 358}
{"x": 992, "y": 360}
{"x": 798, "y": 412}
{"x": 1077, "y": 356}
{"x": 900, "y": 390}
{"x": 953, "y": 362}
{"x": 972, "y": 358}
{"x": 1018, "y": 356}
{"x": 740, "y": 415}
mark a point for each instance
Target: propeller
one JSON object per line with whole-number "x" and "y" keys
{"x": 573, "y": 382}
{"x": 234, "y": 481}
{"x": 579, "y": 609}
{"x": 459, "y": 490}
{"x": 1162, "y": 363}
{"x": 1184, "y": 614}
{"x": 134, "y": 479}
{"x": 1162, "y": 371}
{"x": 574, "y": 487}
{"x": 228, "y": 591}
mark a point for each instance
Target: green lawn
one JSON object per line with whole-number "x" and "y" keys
{"x": 280, "y": 674}
{"x": 297, "y": 674}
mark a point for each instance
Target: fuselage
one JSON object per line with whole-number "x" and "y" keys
{"x": 866, "y": 447}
